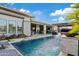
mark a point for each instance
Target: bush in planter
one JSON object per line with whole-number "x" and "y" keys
{"x": 21, "y": 35}
{"x": 2, "y": 37}
{"x": 77, "y": 36}
{"x": 12, "y": 36}
{"x": 54, "y": 33}
{"x": 71, "y": 35}
{"x": 7, "y": 38}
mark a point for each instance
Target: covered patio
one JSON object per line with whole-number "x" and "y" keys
{"x": 33, "y": 28}
{"x": 36, "y": 29}
{"x": 48, "y": 29}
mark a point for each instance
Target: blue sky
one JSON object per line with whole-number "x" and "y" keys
{"x": 44, "y": 12}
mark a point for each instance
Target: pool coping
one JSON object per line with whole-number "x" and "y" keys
{"x": 62, "y": 54}
{"x": 15, "y": 49}
{"x": 29, "y": 38}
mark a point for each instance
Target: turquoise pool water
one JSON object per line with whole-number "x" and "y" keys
{"x": 46, "y": 46}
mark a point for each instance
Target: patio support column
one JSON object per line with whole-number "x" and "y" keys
{"x": 37, "y": 29}
{"x": 27, "y": 26}
{"x": 56, "y": 28}
{"x": 16, "y": 27}
{"x": 7, "y": 27}
{"x": 44, "y": 29}
{"x": 52, "y": 28}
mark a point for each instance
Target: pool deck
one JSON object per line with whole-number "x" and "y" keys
{"x": 70, "y": 45}
{"x": 62, "y": 54}
{"x": 9, "y": 51}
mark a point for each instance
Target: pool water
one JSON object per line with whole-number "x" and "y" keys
{"x": 46, "y": 46}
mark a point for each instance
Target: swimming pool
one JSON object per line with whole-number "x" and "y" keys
{"x": 46, "y": 46}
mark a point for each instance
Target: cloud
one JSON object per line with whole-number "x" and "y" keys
{"x": 37, "y": 13}
{"x": 57, "y": 12}
{"x": 62, "y": 12}
{"x": 68, "y": 10}
{"x": 60, "y": 20}
{"x": 11, "y": 4}
{"x": 54, "y": 20}
{"x": 23, "y": 10}
{"x": 7, "y": 4}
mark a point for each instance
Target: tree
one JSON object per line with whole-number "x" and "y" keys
{"x": 75, "y": 16}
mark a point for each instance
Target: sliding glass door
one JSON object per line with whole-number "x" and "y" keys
{"x": 19, "y": 27}
{"x": 11, "y": 26}
{"x": 3, "y": 26}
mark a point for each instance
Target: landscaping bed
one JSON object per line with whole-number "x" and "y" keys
{"x": 13, "y": 36}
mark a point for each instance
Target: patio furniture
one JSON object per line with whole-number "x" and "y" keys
{"x": 2, "y": 37}
{"x": 54, "y": 33}
{"x": 71, "y": 35}
{"x": 4, "y": 45}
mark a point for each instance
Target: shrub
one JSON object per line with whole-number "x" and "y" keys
{"x": 2, "y": 37}
{"x": 12, "y": 36}
{"x": 54, "y": 33}
{"x": 71, "y": 35}
{"x": 21, "y": 35}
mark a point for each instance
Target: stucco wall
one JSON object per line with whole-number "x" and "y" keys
{"x": 9, "y": 17}
{"x": 44, "y": 29}
{"x": 11, "y": 13}
{"x": 69, "y": 45}
{"x": 27, "y": 26}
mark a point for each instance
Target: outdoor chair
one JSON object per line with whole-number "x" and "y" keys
{"x": 2, "y": 37}
{"x": 3, "y": 45}
{"x": 54, "y": 33}
{"x": 71, "y": 35}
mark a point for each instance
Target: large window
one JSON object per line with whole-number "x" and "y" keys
{"x": 19, "y": 27}
{"x": 3, "y": 26}
{"x": 12, "y": 26}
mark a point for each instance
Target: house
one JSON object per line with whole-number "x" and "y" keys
{"x": 13, "y": 21}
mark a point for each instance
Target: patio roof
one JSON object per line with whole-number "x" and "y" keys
{"x": 40, "y": 23}
{"x": 61, "y": 24}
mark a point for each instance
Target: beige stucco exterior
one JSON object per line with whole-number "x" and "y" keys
{"x": 9, "y": 14}
{"x": 12, "y": 14}
{"x": 27, "y": 26}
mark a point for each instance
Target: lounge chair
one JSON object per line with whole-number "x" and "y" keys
{"x": 2, "y": 37}
{"x": 4, "y": 45}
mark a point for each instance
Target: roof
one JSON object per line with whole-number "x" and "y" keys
{"x": 41, "y": 23}
{"x": 60, "y": 24}
{"x": 15, "y": 11}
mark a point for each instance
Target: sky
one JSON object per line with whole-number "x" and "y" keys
{"x": 45, "y": 12}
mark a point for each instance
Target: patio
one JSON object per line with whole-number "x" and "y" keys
{"x": 6, "y": 49}
{"x": 9, "y": 52}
